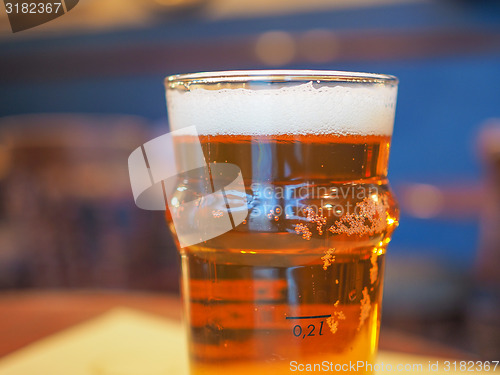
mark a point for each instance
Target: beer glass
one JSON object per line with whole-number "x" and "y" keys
{"x": 295, "y": 282}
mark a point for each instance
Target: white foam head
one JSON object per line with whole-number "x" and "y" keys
{"x": 300, "y": 109}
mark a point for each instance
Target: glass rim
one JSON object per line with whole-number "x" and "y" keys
{"x": 276, "y": 76}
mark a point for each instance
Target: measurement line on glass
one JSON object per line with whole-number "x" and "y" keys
{"x": 309, "y": 317}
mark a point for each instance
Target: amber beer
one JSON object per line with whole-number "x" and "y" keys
{"x": 299, "y": 282}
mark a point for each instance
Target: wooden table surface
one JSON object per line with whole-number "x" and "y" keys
{"x": 26, "y": 317}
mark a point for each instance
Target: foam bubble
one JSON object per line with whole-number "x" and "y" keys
{"x": 301, "y": 109}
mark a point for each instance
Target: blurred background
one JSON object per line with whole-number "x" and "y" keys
{"x": 78, "y": 94}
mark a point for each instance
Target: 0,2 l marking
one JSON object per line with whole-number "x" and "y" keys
{"x": 298, "y": 331}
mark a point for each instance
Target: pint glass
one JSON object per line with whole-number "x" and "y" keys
{"x": 295, "y": 281}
